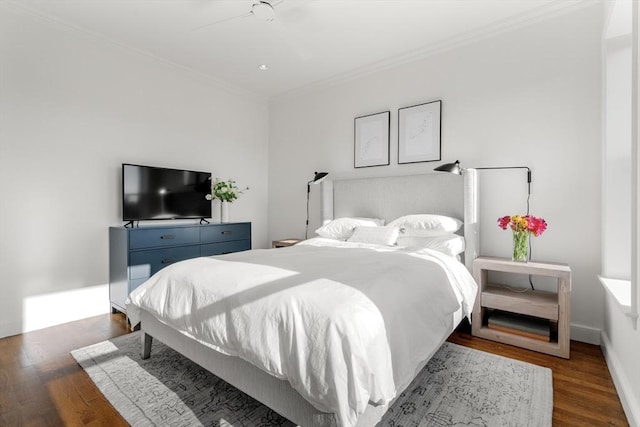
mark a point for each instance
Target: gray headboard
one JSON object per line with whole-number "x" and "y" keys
{"x": 391, "y": 197}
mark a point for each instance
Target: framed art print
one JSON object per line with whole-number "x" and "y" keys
{"x": 371, "y": 140}
{"x": 419, "y": 133}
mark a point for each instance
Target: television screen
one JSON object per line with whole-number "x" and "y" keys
{"x": 150, "y": 193}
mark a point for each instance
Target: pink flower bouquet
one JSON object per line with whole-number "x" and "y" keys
{"x": 522, "y": 226}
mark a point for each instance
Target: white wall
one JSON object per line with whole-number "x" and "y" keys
{"x": 616, "y": 240}
{"x": 73, "y": 107}
{"x": 527, "y": 97}
{"x": 620, "y": 335}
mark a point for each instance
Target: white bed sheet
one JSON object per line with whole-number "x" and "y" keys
{"x": 344, "y": 323}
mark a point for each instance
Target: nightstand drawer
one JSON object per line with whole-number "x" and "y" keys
{"x": 159, "y": 237}
{"x": 225, "y": 232}
{"x": 155, "y": 259}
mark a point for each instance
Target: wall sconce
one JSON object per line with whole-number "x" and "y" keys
{"x": 317, "y": 179}
{"x": 457, "y": 169}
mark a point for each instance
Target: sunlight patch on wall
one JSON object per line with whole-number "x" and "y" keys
{"x": 42, "y": 311}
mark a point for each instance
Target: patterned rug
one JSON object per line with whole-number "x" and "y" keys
{"x": 458, "y": 387}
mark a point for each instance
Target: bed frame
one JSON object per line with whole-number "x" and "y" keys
{"x": 391, "y": 197}
{"x": 386, "y": 197}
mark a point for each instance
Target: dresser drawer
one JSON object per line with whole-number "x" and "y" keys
{"x": 154, "y": 260}
{"x": 225, "y": 232}
{"x": 159, "y": 237}
{"x": 135, "y": 283}
{"x": 135, "y": 254}
{"x": 225, "y": 247}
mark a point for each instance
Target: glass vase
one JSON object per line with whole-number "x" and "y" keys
{"x": 224, "y": 211}
{"x": 520, "y": 246}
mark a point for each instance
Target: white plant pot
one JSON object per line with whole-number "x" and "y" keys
{"x": 224, "y": 211}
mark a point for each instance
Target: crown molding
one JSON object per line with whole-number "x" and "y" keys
{"x": 55, "y": 21}
{"x": 537, "y": 15}
{"x": 553, "y": 9}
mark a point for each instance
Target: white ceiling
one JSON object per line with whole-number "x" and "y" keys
{"x": 309, "y": 41}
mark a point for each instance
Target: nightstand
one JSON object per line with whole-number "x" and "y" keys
{"x": 283, "y": 243}
{"x": 551, "y": 307}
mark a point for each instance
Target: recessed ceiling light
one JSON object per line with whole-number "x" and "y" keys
{"x": 263, "y": 67}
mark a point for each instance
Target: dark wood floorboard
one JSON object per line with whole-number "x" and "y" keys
{"x": 42, "y": 385}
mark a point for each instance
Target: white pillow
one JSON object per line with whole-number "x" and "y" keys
{"x": 385, "y": 236}
{"x": 426, "y": 225}
{"x": 342, "y": 228}
{"x": 450, "y": 244}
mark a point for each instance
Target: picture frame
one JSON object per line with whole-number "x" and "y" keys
{"x": 419, "y": 129}
{"x": 371, "y": 140}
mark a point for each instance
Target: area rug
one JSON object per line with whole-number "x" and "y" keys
{"x": 458, "y": 387}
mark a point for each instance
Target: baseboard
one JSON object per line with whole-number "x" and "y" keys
{"x": 586, "y": 334}
{"x": 621, "y": 381}
{"x": 10, "y": 329}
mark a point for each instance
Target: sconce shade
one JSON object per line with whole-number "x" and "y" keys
{"x": 450, "y": 167}
{"x": 318, "y": 177}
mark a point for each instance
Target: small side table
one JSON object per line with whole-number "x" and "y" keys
{"x": 283, "y": 243}
{"x": 554, "y": 306}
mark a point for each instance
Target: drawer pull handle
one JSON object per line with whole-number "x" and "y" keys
{"x": 168, "y": 236}
{"x": 168, "y": 261}
{"x": 224, "y": 253}
{"x": 227, "y": 232}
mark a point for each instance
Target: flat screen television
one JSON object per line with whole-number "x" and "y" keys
{"x": 151, "y": 193}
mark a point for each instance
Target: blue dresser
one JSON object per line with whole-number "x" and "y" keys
{"x": 135, "y": 254}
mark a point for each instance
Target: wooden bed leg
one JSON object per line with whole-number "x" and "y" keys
{"x": 146, "y": 345}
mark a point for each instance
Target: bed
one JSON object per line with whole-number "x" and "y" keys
{"x": 332, "y": 380}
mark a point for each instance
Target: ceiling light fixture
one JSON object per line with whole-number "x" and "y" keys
{"x": 263, "y": 67}
{"x": 263, "y": 10}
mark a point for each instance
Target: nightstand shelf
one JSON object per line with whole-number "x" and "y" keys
{"x": 283, "y": 243}
{"x": 532, "y": 303}
{"x": 552, "y": 306}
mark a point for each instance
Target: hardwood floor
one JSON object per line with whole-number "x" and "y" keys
{"x": 42, "y": 385}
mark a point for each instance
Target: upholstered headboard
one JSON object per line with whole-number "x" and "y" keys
{"x": 391, "y": 197}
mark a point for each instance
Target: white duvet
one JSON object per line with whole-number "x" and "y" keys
{"x": 346, "y": 324}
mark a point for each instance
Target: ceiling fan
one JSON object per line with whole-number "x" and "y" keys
{"x": 263, "y": 10}
{"x": 282, "y": 25}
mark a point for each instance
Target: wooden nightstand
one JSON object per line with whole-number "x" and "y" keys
{"x": 553, "y": 306}
{"x": 283, "y": 243}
